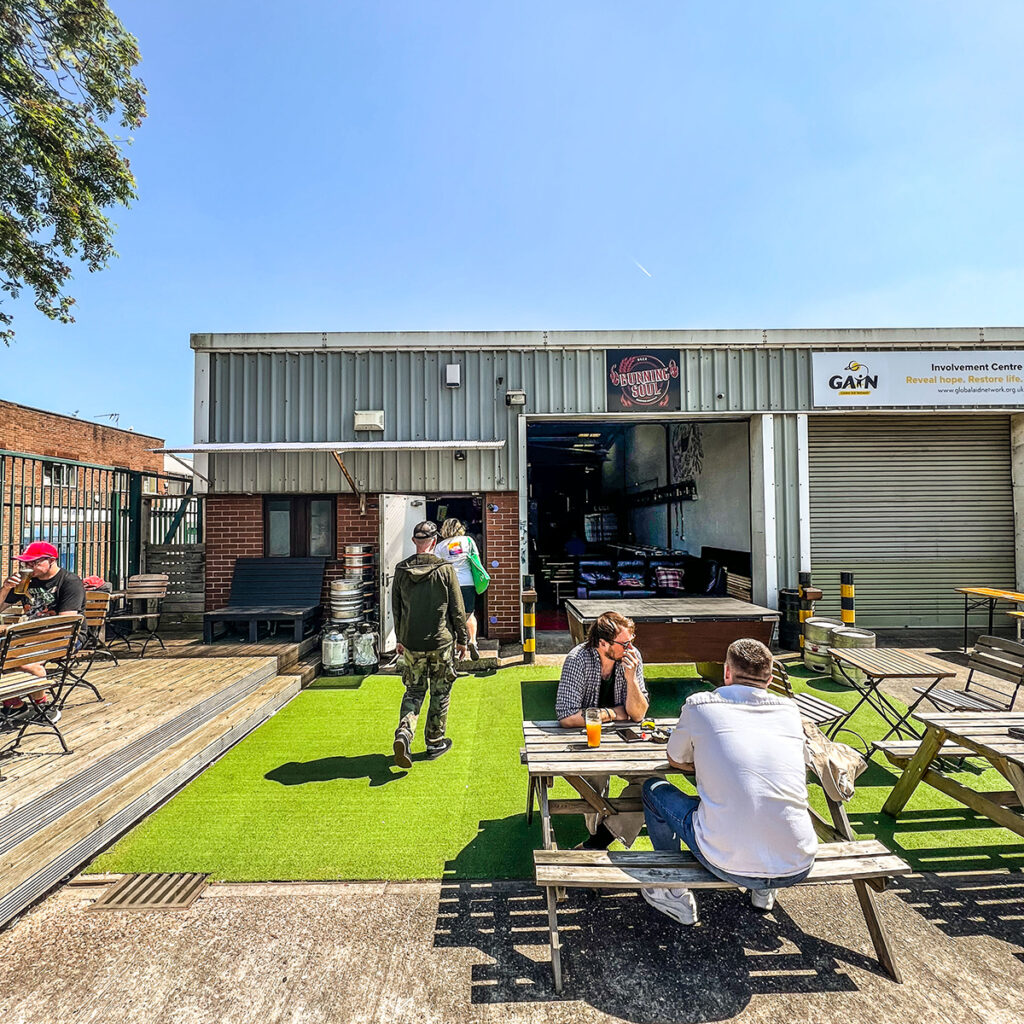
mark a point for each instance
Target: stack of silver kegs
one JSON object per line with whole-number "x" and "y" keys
{"x": 354, "y": 597}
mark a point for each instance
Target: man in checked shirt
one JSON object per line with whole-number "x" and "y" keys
{"x": 607, "y": 673}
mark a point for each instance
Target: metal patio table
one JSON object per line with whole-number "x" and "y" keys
{"x": 983, "y": 595}
{"x": 878, "y": 667}
{"x": 986, "y": 735}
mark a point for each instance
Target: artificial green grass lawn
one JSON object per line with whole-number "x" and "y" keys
{"x": 313, "y": 793}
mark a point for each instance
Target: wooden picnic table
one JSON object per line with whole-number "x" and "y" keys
{"x": 982, "y": 596}
{"x": 878, "y": 667}
{"x": 552, "y": 751}
{"x": 986, "y": 735}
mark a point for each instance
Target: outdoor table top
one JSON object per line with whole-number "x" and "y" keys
{"x": 552, "y": 750}
{"x": 993, "y": 593}
{"x": 667, "y": 609}
{"x": 984, "y": 731}
{"x": 889, "y": 664}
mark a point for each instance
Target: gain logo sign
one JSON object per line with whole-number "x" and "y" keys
{"x": 642, "y": 381}
{"x": 854, "y": 380}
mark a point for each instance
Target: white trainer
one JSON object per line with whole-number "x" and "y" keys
{"x": 763, "y": 899}
{"x": 676, "y": 903}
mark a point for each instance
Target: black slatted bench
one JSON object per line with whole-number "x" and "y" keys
{"x": 272, "y": 590}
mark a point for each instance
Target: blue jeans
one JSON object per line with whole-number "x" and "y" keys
{"x": 669, "y": 816}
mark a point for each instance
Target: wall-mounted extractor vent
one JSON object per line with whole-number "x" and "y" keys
{"x": 369, "y": 419}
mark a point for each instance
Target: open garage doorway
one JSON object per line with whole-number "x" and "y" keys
{"x": 626, "y": 510}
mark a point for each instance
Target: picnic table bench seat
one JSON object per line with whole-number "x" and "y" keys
{"x": 271, "y": 590}
{"x": 860, "y": 862}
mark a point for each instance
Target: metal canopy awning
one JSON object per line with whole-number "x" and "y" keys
{"x": 334, "y": 448}
{"x": 284, "y": 447}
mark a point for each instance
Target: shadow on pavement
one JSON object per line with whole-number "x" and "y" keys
{"x": 976, "y": 903}
{"x": 624, "y": 958}
{"x": 378, "y": 768}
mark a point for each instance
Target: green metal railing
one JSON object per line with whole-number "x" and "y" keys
{"x": 96, "y": 516}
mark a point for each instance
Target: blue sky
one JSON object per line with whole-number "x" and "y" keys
{"x": 332, "y": 165}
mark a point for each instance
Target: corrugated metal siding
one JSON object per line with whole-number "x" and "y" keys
{"x": 914, "y": 506}
{"x": 311, "y": 396}
{"x": 787, "y": 503}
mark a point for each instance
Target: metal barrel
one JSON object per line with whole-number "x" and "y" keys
{"x": 817, "y": 640}
{"x": 806, "y": 609}
{"x": 789, "y": 619}
{"x": 847, "y": 612}
{"x": 347, "y": 599}
{"x": 850, "y": 638}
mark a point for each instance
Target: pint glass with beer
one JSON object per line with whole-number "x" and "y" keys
{"x": 21, "y": 587}
{"x": 592, "y": 717}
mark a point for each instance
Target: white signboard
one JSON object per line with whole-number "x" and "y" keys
{"x": 852, "y": 379}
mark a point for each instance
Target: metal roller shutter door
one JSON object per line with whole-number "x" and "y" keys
{"x": 914, "y": 506}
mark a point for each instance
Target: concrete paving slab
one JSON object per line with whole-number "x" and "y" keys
{"x": 467, "y": 952}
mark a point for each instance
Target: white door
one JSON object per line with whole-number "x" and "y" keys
{"x": 399, "y": 514}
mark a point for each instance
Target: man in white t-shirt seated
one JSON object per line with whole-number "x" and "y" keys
{"x": 750, "y": 823}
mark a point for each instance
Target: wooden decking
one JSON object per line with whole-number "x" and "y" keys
{"x": 162, "y": 721}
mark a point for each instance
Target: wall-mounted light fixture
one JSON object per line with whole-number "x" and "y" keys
{"x": 460, "y": 455}
{"x": 453, "y": 375}
{"x": 515, "y": 398}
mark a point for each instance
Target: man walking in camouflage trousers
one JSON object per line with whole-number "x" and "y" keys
{"x": 430, "y": 622}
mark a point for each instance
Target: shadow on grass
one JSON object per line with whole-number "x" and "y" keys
{"x": 887, "y": 830}
{"x": 378, "y": 768}
{"x": 336, "y": 683}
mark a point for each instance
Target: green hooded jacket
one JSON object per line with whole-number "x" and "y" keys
{"x": 427, "y": 604}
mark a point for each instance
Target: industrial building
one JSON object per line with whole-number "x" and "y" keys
{"x": 894, "y": 454}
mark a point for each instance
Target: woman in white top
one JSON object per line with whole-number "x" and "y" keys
{"x": 455, "y": 547}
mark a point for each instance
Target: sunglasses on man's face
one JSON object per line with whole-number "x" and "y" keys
{"x": 625, "y": 646}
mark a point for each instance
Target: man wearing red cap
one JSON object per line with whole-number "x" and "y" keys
{"x": 51, "y": 591}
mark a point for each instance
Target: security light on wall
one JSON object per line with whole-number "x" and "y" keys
{"x": 369, "y": 419}
{"x": 453, "y": 375}
{"x": 515, "y": 398}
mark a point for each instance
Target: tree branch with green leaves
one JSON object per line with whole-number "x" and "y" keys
{"x": 66, "y": 68}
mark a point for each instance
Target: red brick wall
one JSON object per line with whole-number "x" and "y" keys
{"x": 35, "y": 432}
{"x": 233, "y": 527}
{"x": 501, "y": 543}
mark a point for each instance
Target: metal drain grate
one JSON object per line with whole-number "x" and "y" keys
{"x": 153, "y": 892}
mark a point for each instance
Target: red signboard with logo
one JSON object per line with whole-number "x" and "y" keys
{"x": 642, "y": 380}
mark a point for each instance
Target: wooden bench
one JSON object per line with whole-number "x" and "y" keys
{"x": 271, "y": 590}
{"x": 992, "y": 656}
{"x": 899, "y": 752}
{"x": 858, "y": 862}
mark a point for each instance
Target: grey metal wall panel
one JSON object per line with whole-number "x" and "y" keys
{"x": 311, "y": 395}
{"x": 787, "y": 502}
{"x": 914, "y": 506}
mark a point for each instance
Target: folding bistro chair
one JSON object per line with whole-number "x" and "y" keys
{"x": 994, "y": 657}
{"x": 42, "y": 641}
{"x": 93, "y": 643}
{"x": 144, "y": 589}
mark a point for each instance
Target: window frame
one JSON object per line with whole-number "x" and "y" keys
{"x": 299, "y": 520}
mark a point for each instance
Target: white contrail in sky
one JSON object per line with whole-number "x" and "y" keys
{"x": 641, "y": 267}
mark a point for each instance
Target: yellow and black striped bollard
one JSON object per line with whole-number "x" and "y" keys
{"x": 529, "y": 621}
{"x": 846, "y": 609}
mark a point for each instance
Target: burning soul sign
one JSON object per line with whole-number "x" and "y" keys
{"x": 644, "y": 381}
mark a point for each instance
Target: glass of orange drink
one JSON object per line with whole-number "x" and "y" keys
{"x": 592, "y": 717}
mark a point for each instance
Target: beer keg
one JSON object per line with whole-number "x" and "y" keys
{"x": 848, "y": 637}
{"x": 817, "y": 640}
